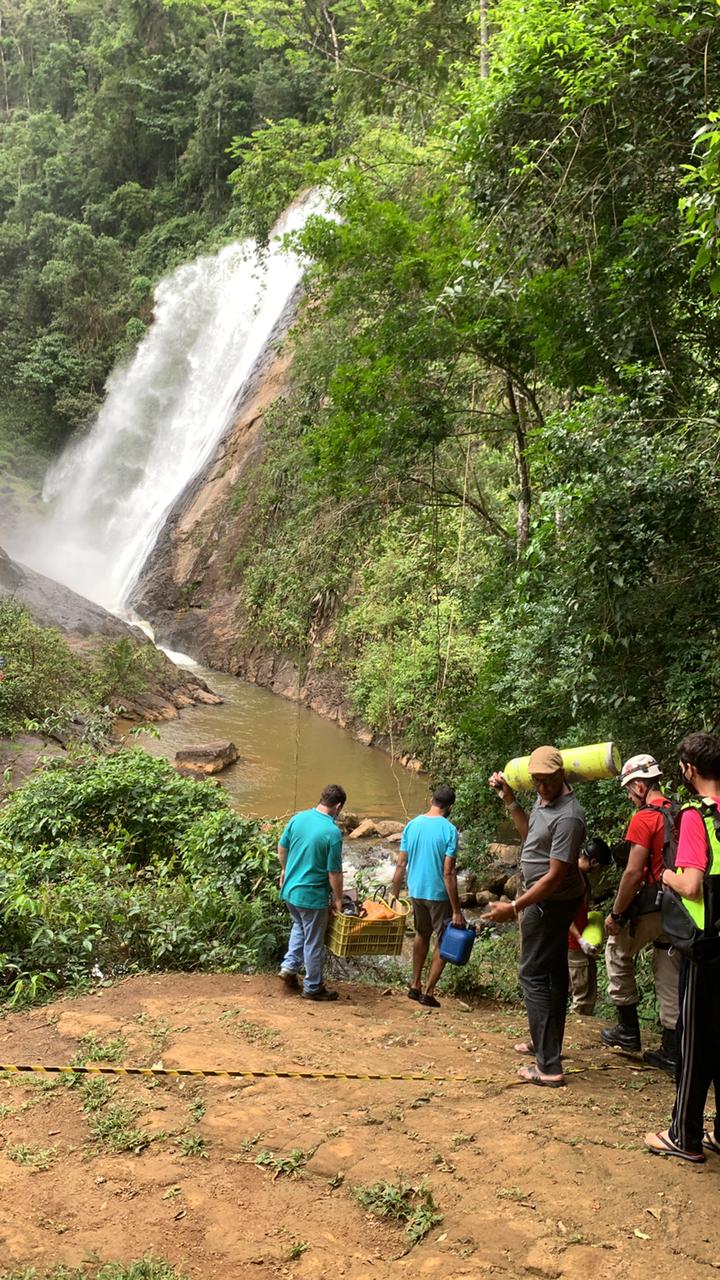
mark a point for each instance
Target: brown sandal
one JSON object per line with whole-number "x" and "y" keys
{"x": 531, "y": 1075}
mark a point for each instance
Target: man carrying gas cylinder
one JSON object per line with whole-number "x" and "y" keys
{"x": 634, "y": 923}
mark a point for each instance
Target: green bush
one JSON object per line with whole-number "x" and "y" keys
{"x": 129, "y": 799}
{"x": 122, "y": 865}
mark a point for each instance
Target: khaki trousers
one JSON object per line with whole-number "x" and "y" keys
{"x": 583, "y": 982}
{"x": 620, "y": 954}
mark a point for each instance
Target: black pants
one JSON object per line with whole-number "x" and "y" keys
{"x": 699, "y": 1053}
{"x": 544, "y": 977}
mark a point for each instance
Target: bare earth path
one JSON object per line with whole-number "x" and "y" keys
{"x": 530, "y": 1182}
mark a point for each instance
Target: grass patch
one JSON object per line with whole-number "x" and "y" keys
{"x": 284, "y": 1166}
{"x": 414, "y": 1207}
{"x": 114, "y": 1128}
{"x": 39, "y": 1158}
{"x": 91, "y": 1049}
{"x": 192, "y": 1144}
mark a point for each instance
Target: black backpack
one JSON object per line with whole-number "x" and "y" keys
{"x": 681, "y": 930}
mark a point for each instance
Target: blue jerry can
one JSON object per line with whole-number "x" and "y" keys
{"x": 457, "y": 943}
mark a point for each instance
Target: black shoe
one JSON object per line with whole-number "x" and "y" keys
{"x": 414, "y": 993}
{"x": 290, "y": 979}
{"x": 429, "y": 1001}
{"x": 665, "y": 1056}
{"x": 322, "y": 993}
{"x": 626, "y": 1035}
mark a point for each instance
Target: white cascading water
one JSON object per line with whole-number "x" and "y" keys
{"x": 164, "y": 414}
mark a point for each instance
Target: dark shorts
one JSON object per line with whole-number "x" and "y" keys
{"x": 431, "y": 916}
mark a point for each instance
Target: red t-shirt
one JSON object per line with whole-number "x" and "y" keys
{"x": 647, "y": 828}
{"x": 580, "y": 922}
{"x": 692, "y": 850}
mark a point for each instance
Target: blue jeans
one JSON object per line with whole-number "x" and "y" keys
{"x": 307, "y": 944}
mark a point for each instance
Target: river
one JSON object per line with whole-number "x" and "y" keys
{"x": 288, "y": 753}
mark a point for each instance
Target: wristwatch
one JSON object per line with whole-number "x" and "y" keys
{"x": 618, "y": 917}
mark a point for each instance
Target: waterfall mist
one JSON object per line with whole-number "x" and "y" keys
{"x": 164, "y": 413}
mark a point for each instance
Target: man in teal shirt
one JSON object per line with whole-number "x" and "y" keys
{"x": 310, "y": 853}
{"x": 428, "y": 849}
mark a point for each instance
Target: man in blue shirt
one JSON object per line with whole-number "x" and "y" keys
{"x": 310, "y": 853}
{"x": 428, "y": 850}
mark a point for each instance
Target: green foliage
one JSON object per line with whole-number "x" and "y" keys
{"x": 47, "y": 687}
{"x": 129, "y": 799}
{"x": 413, "y": 1206}
{"x": 40, "y": 671}
{"x": 122, "y": 865}
{"x": 116, "y": 124}
{"x": 287, "y": 1166}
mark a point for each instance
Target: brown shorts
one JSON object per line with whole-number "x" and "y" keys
{"x": 431, "y": 916}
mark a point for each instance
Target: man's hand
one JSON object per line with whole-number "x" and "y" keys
{"x": 337, "y": 906}
{"x": 498, "y": 784}
{"x": 588, "y": 947}
{"x": 458, "y": 919}
{"x": 498, "y": 912}
{"x": 611, "y": 926}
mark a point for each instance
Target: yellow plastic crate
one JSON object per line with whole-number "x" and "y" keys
{"x": 350, "y": 936}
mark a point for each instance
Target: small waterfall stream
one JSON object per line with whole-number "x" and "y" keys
{"x": 165, "y": 412}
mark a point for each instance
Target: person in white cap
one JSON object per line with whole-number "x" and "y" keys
{"x": 634, "y": 922}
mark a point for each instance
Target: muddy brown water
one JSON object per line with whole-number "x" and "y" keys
{"x": 288, "y": 753}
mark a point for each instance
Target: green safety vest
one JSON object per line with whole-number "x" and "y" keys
{"x": 693, "y": 926}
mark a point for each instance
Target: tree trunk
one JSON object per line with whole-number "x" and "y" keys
{"x": 517, "y": 409}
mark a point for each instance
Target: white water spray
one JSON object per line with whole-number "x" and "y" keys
{"x": 163, "y": 416}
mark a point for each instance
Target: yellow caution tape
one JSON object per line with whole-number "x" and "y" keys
{"x": 38, "y": 1068}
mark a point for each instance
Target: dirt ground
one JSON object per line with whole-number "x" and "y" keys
{"x": 530, "y": 1182}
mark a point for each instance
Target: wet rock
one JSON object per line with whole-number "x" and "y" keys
{"x": 508, "y": 854}
{"x": 511, "y": 886}
{"x": 208, "y": 697}
{"x": 386, "y": 827}
{"x": 209, "y": 757}
{"x": 468, "y": 900}
{"x": 348, "y": 821}
{"x": 367, "y": 828}
{"x": 495, "y": 877}
{"x": 394, "y": 838}
{"x": 482, "y": 898}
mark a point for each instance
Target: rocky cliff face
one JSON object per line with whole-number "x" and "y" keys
{"x": 184, "y": 590}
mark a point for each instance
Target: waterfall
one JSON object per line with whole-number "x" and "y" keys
{"x": 163, "y": 416}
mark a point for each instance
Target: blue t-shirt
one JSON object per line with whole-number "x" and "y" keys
{"x": 314, "y": 844}
{"x": 427, "y": 843}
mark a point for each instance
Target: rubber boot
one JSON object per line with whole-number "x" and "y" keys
{"x": 665, "y": 1056}
{"x": 626, "y": 1034}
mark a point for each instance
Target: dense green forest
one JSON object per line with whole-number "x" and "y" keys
{"x": 492, "y": 488}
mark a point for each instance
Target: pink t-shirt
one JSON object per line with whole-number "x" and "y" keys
{"x": 692, "y": 850}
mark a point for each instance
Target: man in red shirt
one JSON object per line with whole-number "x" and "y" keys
{"x": 634, "y": 922}
{"x": 696, "y": 878}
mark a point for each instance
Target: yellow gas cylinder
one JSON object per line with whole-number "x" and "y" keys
{"x": 581, "y": 764}
{"x": 594, "y": 932}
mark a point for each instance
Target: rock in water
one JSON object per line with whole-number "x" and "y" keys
{"x": 387, "y": 827}
{"x": 367, "y": 828}
{"x": 208, "y": 757}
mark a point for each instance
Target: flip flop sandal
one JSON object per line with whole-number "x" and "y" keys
{"x": 527, "y": 1048}
{"x": 532, "y": 1076}
{"x": 710, "y": 1143}
{"x": 663, "y": 1146}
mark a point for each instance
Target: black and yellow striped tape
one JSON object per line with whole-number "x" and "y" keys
{"x": 94, "y": 1069}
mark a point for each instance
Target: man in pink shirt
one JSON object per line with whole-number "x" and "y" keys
{"x": 697, "y": 879}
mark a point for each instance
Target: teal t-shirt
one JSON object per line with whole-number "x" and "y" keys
{"x": 314, "y": 844}
{"x": 427, "y": 843}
